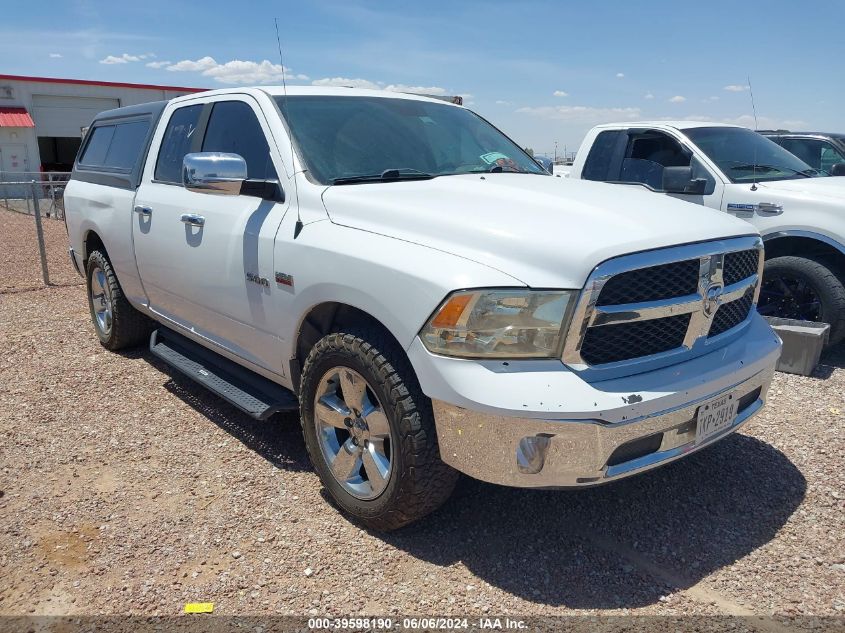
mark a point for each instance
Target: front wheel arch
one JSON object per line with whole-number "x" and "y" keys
{"x": 323, "y": 319}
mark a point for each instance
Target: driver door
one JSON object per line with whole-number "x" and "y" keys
{"x": 201, "y": 256}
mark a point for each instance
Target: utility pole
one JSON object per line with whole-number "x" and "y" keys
{"x": 555, "y": 160}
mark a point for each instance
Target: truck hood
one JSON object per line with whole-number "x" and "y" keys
{"x": 808, "y": 188}
{"x": 544, "y": 231}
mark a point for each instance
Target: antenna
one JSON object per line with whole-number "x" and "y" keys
{"x": 298, "y": 227}
{"x": 753, "y": 107}
{"x": 756, "y": 127}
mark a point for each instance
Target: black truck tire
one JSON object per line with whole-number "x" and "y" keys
{"x": 792, "y": 283}
{"x": 117, "y": 323}
{"x": 418, "y": 481}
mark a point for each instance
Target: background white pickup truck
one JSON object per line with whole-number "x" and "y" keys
{"x": 800, "y": 211}
{"x": 422, "y": 290}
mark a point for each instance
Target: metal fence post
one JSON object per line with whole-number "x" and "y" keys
{"x": 42, "y": 250}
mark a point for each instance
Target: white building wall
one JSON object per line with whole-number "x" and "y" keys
{"x": 26, "y": 93}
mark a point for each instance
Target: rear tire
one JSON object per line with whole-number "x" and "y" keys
{"x": 805, "y": 289}
{"x": 116, "y": 322}
{"x": 389, "y": 417}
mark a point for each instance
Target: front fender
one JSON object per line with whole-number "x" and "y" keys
{"x": 398, "y": 283}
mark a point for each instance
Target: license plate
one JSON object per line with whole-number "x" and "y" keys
{"x": 715, "y": 416}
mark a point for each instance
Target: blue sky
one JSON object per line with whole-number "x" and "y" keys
{"x": 542, "y": 71}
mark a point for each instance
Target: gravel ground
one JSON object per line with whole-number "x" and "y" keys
{"x": 125, "y": 489}
{"x": 20, "y": 265}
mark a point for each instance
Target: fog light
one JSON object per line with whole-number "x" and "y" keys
{"x": 531, "y": 453}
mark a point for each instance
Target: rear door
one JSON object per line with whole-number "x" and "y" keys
{"x": 202, "y": 257}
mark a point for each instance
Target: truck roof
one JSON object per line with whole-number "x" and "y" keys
{"x": 678, "y": 125}
{"x": 280, "y": 91}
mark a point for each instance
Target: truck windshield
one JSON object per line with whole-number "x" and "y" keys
{"x": 346, "y": 140}
{"x": 745, "y": 156}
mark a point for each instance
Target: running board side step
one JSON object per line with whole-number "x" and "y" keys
{"x": 255, "y": 395}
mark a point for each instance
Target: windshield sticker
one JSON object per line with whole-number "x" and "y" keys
{"x": 494, "y": 157}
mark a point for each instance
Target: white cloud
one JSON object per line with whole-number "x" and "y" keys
{"x": 55, "y": 55}
{"x": 426, "y": 90}
{"x": 237, "y": 71}
{"x": 111, "y": 59}
{"x": 677, "y": 99}
{"x": 582, "y": 113}
{"x": 648, "y": 95}
{"x": 736, "y": 88}
{"x": 560, "y": 93}
{"x": 200, "y": 65}
{"x": 247, "y": 72}
{"x": 620, "y": 75}
{"x": 158, "y": 64}
{"x": 502, "y": 102}
{"x": 125, "y": 58}
{"x": 344, "y": 82}
{"x": 713, "y": 98}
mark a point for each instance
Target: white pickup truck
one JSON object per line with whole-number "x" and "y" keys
{"x": 799, "y": 210}
{"x": 427, "y": 296}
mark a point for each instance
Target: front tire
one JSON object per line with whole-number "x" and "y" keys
{"x": 117, "y": 323}
{"x": 804, "y": 289}
{"x": 370, "y": 431}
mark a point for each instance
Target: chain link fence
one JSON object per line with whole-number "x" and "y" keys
{"x": 20, "y": 190}
{"x": 33, "y": 238}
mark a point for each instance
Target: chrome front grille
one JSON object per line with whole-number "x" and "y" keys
{"x": 663, "y": 303}
{"x": 651, "y": 284}
{"x": 740, "y": 265}
{"x": 731, "y": 314}
{"x": 621, "y": 341}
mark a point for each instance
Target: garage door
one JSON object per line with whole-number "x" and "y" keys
{"x": 66, "y": 116}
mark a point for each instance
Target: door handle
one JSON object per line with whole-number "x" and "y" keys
{"x": 193, "y": 219}
{"x": 769, "y": 208}
{"x": 144, "y": 212}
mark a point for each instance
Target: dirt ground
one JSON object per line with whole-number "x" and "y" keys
{"x": 126, "y": 489}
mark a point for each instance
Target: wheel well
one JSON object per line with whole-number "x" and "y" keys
{"x": 93, "y": 242}
{"x": 804, "y": 247}
{"x": 323, "y": 319}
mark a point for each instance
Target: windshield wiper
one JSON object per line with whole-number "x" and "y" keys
{"x": 752, "y": 166}
{"x": 388, "y": 175}
{"x": 812, "y": 172}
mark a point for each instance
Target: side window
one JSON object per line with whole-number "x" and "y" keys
{"x": 97, "y": 148}
{"x": 115, "y": 146}
{"x": 234, "y": 128}
{"x": 176, "y": 143}
{"x": 808, "y": 150}
{"x": 647, "y": 155}
{"x": 598, "y": 163}
{"x": 127, "y": 144}
{"x": 830, "y": 157}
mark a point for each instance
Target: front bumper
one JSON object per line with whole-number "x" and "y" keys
{"x": 582, "y": 433}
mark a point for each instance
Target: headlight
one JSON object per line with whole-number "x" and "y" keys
{"x": 499, "y": 324}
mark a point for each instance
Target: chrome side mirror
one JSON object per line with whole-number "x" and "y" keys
{"x": 214, "y": 172}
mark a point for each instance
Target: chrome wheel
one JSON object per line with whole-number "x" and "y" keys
{"x": 101, "y": 302}
{"x": 353, "y": 432}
